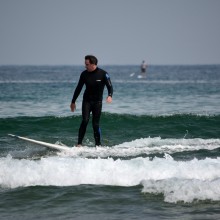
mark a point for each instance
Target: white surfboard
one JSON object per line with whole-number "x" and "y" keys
{"x": 139, "y": 76}
{"x": 42, "y": 143}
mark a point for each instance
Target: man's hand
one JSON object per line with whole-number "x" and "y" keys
{"x": 109, "y": 99}
{"x": 73, "y": 107}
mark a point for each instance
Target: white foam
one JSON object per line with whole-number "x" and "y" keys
{"x": 177, "y": 180}
{"x": 145, "y": 146}
{"x": 186, "y": 190}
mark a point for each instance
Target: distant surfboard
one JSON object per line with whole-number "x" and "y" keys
{"x": 42, "y": 143}
{"x": 141, "y": 77}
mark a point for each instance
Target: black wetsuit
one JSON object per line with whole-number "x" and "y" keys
{"x": 92, "y": 100}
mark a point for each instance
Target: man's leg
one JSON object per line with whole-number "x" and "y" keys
{"x": 96, "y": 114}
{"x": 86, "y": 108}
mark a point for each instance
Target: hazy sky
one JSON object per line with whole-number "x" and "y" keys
{"x": 116, "y": 31}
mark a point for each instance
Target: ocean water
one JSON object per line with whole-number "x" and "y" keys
{"x": 160, "y": 157}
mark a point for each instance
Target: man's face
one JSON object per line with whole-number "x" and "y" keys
{"x": 90, "y": 67}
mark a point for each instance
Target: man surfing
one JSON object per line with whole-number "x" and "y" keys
{"x": 95, "y": 79}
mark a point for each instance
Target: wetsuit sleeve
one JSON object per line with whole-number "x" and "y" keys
{"x": 108, "y": 84}
{"x": 78, "y": 89}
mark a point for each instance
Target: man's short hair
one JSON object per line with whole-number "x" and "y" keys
{"x": 92, "y": 59}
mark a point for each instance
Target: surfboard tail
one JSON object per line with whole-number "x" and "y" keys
{"x": 42, "y": 143}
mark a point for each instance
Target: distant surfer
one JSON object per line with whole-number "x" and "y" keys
{"x": 143, "y": 69}
{"x": 95, "y": 79}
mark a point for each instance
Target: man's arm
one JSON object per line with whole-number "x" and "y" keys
{"x": 76, "y": 93}
{"x": 109, "y": 88}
